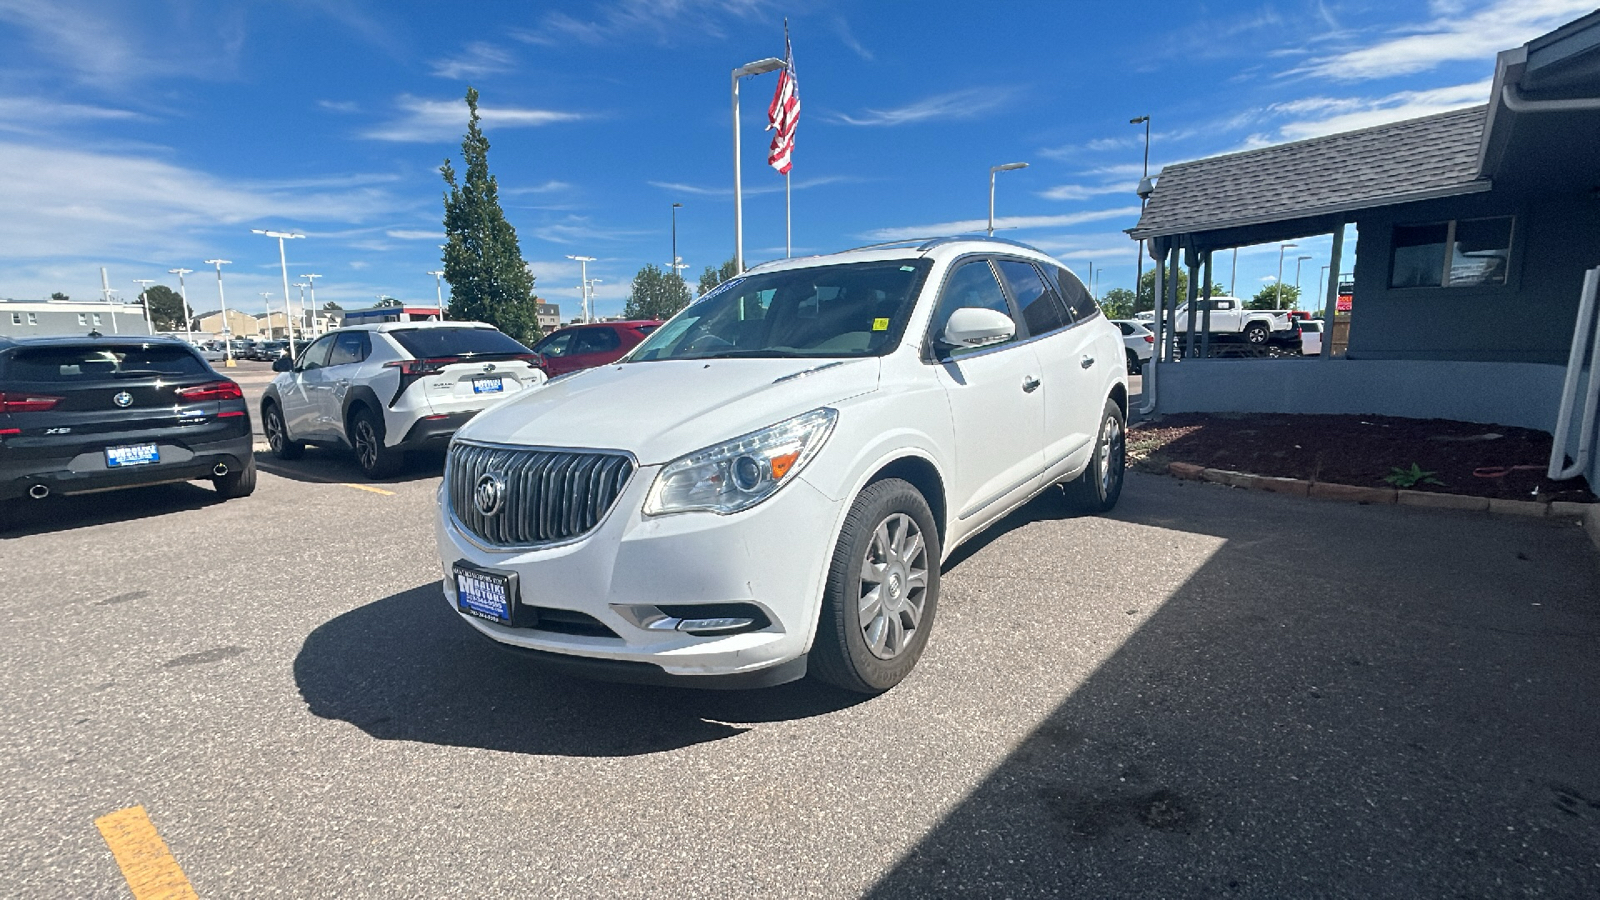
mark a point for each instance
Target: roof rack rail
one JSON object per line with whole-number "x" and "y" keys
{"x": 934, "y": 242}
{"x": 903, "y": 242}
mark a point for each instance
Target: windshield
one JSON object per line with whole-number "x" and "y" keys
{"x": 858, "y": 309}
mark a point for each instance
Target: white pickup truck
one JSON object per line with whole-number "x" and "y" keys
{"x": 1229, "y": 317}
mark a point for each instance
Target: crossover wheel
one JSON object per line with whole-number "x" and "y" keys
{"x": 1256, "y": 333}
{"x": 1133, "y": 363}
{"x": 278, "y": 435}
{"x": 882, "y": 591}
{"x": 366, "y": 435}
{"x": 238, "y": 482}
{"x": 1097, "y": 489}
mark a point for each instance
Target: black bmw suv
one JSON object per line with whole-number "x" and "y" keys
{"x": 80, "y": 414}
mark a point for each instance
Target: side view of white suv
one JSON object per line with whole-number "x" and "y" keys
{"x": 770, "y": 482}
{"x": 384, "y": 389}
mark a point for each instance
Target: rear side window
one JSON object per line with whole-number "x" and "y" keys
{"x": 350, "y": 347}
{"x": 1076, "y": 296}
{"x": 1041, "y": 308}
{"x": 92, "y": 362}
{"x": 595, "y": 340}
{"x": 430, "y": 343}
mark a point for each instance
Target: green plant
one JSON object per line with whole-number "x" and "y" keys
{"x": 1405, "y": 478}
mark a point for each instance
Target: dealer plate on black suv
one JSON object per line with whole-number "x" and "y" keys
{"x": 485, "y": 594}
{"x": 132, "y": 455}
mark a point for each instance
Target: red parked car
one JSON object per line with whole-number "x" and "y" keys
{"x": 586, "y": 346}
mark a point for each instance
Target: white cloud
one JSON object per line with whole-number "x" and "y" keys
{"x": 1350, "y": 113}
{"x": 581, "y": 228}
{"x": 967, "y": 226}
{"x": 405, "y": 234}
{"x": 341, "y": 106}
{"x": 750, "y": 190}
{"x": 1085, "y": 191}
{"x": 964, "y": 104}
{"x": 545, "y": 188}
{"x": 1454, "y": 35}
{"x": 847, "y": 37}
{"x": 659, "y": 20}
{"x": 422, "y": 119}
{"x": 479, "y": 58}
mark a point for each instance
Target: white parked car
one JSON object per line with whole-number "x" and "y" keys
{"x": 387, "y": 388}
{"x": 1139, "y": 344}
{"x": 1311, "y": 337}
{"x": 772, "y": 479}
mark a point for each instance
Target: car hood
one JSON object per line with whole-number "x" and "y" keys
{"x": 662, "y": 410}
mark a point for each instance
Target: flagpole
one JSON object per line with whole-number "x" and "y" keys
{"x": 788, "y": 220}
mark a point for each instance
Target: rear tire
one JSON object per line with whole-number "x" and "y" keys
{"x": 882, "y": 591}
{"x": 366, "y": 436}
{"x": 238, "y": 482}
{"x": 1097, "y": 489}
{"x": 278, "y": 434}
{"x": 1255, "y": 333}
{"x": 1133, "y": 363}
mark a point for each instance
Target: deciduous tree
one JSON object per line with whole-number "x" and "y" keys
{"x": 1117, "y": 303}
{"x": 489, "y": 280}
{"x": 715, "y": 275}
{"x": 166, "y": 308}
{"x": 656, "y": 294}
{"x": 1275, "y": 296}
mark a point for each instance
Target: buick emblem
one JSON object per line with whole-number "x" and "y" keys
{"x": 489, "y": 494}
{"x": 123, "y": 399}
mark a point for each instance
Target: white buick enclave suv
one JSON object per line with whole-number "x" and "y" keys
{"x": 771, "y": 481}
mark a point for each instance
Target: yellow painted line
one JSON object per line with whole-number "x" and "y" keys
{"x": 367, "y": 487}
{"x": 146, "y": 863}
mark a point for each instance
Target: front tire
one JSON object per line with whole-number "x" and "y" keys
{"x": 1097, "y": 489}
{"x": 1255, "y": 333}
{"x": 366, "y": 436}
{"x": 882, "y": 591}
{"x": 278, "y": 435}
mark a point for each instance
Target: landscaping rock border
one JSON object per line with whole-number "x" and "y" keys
{"x": 1589, "y": 512}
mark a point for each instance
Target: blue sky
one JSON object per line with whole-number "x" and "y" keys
{"x": 144, "y": 136}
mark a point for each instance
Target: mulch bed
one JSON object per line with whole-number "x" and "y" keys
{"x": 1460, "y": 457}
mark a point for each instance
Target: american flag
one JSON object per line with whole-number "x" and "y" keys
{"x": 784, "y": 112}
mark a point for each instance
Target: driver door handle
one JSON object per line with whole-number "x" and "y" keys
{"x": 1029, "y": 384}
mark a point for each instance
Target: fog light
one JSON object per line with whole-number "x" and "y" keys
{"x": 714, "y": 626}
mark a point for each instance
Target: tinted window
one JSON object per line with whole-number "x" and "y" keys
{"x": 1418, "y": 255}
{"x": 316, "y": 355}
{"x": 427, "y": 343}
{"x": 88, "y": 363}
{"x": 1076, "y": 296}
{"x": 972, "y": 286}
{"x": 646, "y": 329}
{"x": 1479, "y": 255}
{"x": 554, "y": 345}
{"x": 595, "y": 340}
{"x": 349, "y": 347}
{"x": 1041, "y": 308}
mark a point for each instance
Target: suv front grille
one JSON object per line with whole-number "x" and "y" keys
{"x": 549, "y": 495}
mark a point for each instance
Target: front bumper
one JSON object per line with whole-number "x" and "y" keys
{"x": 773, "y": 557}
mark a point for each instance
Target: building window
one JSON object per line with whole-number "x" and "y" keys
{"x": 1458, "y": 253}
{"x": 82, "y": 319}
{"x": 33, "y": 318}
{"x": 16, "y": 318}
{"x": 96, "y": 319}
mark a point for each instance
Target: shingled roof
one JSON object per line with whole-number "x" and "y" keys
{"x": 1418, "y": 159}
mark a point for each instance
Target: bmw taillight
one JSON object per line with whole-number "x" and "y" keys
{"x": 418, "y": 367}
{"x": 211, "y": 390}
{"x": 1149, "y": 339}
{"x": 21, "y": 403}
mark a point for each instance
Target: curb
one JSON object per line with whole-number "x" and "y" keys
{"x": 1323, "y": 490}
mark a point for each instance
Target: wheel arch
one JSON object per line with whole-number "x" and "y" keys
{"x": 923, "y": 475}
{"x": 360, "y": 396}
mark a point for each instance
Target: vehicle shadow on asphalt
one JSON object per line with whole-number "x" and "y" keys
{"x": 55, "y": 513}
{"x": 334, "y": 466}
{"x": 1336, "y": 700}
{"x": 407, "y": 668}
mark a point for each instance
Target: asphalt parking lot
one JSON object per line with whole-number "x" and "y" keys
{"x": 1210, "y": 692}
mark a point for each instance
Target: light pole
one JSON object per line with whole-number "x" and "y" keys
{"x": 675, "y": 208}
{"x": 283, "y": 262}
{"x": 438, "y": 290}
{"x": 1322, "y": 279}
{"x": 1298, "y": 260}
{"x": 1144, "y": 191}
{"x": 222, "y": 300}
{"x": 583, "y": 263}
{"x": 759, "y": 67}
{"x": 188, "y": 314}
{"x": 304, "y": 326}
{"x": 993, "y": 169}
{"x": 266, "y": 303}
{"x": 589, "y": 291}
{"x": 311, "y": 281}
{"x": 144, "y": 301}
{"x": 1279, "y": 286}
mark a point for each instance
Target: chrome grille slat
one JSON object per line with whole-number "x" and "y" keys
{"x": 552, "y": 495}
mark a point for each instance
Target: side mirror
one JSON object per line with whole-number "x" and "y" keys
{"x": 971, "y": 327}
{"x": 283, "y": 364}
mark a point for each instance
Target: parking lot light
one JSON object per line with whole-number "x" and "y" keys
{"x": 759, "y": 67}
{"x": 311, "y": 281}
{"x": 438, "y": 289}
{"x": 1278, "y": 287}
{"x": 222, "y": 300}
{"x": 583, "y": 262}
{"x": 284, "y": 263}
{"x": 993, "y": 169}
{"x": 188, "y": 313}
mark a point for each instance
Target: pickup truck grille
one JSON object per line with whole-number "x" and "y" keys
{"x": 545, "y": 495}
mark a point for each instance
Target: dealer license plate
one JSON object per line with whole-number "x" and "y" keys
{"x": 132, "y": 455}
{"x": 487, "y": 385}
{"x": 485, "y": 594}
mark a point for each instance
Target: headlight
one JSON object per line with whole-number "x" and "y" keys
{"x": 738, "y": 474}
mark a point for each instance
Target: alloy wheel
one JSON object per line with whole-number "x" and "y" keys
{"x": 274, "y": 427}
{"x": 1113, "y": 450}
{"x": 894, "y": 586}
{"x": 366, "y": 445}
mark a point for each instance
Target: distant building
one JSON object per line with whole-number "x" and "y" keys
{"x": 240, "y": 324}
{"x": 375, "y": 314}
{"x": 549, "y": 316}
{"x": 23, "y": 318}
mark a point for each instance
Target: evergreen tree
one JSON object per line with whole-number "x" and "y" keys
{"x": 656, "y": 294}
{"x": 59, "y": 297}
{"x": 714, "y": 276}
{"x": 489, "y": 281}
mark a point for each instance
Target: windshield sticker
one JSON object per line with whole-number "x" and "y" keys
{"x": 880, "y": 324}
{"x": 908, "y": 268}
{"x": 730, "y": 283}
